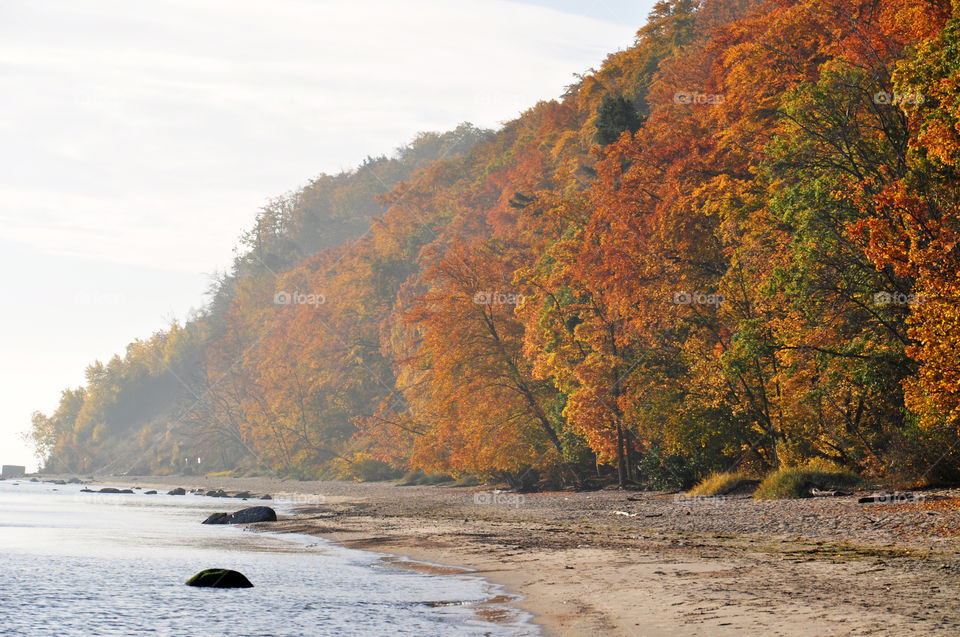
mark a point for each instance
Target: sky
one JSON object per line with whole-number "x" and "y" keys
{"x": 139, "y": 139}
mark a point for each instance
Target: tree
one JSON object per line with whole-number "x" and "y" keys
{"x": 616, "y": 115}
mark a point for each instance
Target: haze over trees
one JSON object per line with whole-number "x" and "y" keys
{"x": 733, "y": 245}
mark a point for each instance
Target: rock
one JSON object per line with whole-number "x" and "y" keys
{"x": 57, "y": 482}
{"x": 254, "y": 514}
{"x": 31, "y": 479}
{"x": 219, "y": 578}
{"x": 177, "y": 491}
{"x": 126, "y": 490}
{"x": 74, "y": 480}
{"x": 243, "y": 516}
{"x": 217, "y": 518}
{"x": 110, "y": 490}
{"x": 150, "y": 492}
{"x": 86, "y": 490}
{"x": 266, "y": 496}
{"x": 242, "y": 494}
{"x": 219, "y": 493}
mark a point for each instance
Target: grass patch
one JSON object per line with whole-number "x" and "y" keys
{"x": 722, "y": 483}
{"x": 468, "y": 480}
{"x": 418, "y": 477}
{"x": 796, "y": 482}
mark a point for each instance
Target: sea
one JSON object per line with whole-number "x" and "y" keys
{"x": 90, "y": 564}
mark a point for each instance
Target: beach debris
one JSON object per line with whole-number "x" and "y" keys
{"x": 177, "y": 491}
{"x": 822, "y": 493}
{"x": 243, "y": 516}
{"x": 219, "y": 578}
{"x": 629, "y": 515}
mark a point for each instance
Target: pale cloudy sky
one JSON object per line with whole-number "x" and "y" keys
{"x": 138, "y": 139}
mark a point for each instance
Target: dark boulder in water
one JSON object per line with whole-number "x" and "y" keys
{"x": 177, "y": 491}
{"x": 109, "y": 490}
{"x": 150, "y": 492}
{"x": 219, "y": 578}
{"x": 254, "y": 514}
{"x": 219, "y": 493}
{"x": 242, "y": 494}
{"x": 218, "y": 518}
{"x": 266, "y": 496}
{"x": 244, "y": 516}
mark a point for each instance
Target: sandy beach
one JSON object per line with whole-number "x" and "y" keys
{"x": 642, "y": 563}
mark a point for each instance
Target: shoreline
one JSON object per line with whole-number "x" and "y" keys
{"x": 629, "y": 563}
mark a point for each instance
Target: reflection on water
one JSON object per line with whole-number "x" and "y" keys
{"x": 75, "y": 563}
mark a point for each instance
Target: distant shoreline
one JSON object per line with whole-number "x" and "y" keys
{"x": 628, "y": 563}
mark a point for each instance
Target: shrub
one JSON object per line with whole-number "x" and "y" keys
{"x": 796, "y": 481}
{"x": 722, "y": 483}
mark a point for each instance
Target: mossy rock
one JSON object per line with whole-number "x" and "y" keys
{"x": 219, "y": 578}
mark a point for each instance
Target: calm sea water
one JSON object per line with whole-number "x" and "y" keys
{"x": 74, "y": 563}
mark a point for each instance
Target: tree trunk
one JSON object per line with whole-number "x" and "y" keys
{"x": 621, "y": 461}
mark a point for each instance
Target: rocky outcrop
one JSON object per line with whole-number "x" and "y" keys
{"x": 177, "y": 491}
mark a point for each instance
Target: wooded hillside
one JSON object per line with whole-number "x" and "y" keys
{"x": 730, "y": 246}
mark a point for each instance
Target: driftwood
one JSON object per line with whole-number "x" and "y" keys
{"x": 821, "y": 493}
